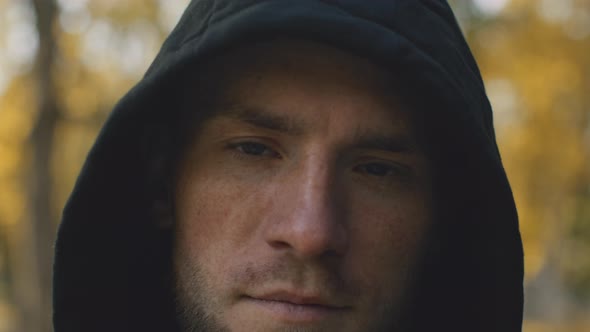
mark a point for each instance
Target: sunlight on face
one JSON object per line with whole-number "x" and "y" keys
{"x": 302, "y": 203}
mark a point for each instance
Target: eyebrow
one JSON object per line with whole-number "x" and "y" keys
{"x": 262, "y": 119}
{"x": 395, "y": 143}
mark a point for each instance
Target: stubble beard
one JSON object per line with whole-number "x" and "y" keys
{"x": 194, "y": 305}
{"x": 191, "y": 299}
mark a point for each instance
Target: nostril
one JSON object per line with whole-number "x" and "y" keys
{"x": 279, "y": 244}
{"x": 306, "y": 242}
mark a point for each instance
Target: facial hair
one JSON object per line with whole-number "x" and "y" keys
{"x": 194, "y": 298}
{"x": 190, "y": 301}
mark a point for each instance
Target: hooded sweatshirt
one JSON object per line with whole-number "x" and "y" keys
{"x": 112, "y": 260}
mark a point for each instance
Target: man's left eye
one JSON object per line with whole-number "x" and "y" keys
{"x": 255, "y": 149}
{"x": 376, "y": 169}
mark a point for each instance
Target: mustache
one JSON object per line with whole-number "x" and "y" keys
{"x": 316, "y": 276}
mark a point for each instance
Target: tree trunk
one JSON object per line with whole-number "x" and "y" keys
{"x": 42, "y": 223}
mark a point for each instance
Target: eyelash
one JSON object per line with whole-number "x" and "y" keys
{"x": 383, "y": 169}
{"x": 243, "y": 150}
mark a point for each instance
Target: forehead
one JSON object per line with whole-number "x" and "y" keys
{"x": 302, "y": 78}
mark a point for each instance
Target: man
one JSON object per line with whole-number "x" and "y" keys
{"x": 296, "y": 166}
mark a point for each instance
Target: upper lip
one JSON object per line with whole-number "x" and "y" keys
{"x": 301, "y": 298}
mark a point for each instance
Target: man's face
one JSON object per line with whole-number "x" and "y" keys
{"x": 302, "y": 204}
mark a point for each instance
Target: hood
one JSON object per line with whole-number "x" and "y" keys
{"x": 111, "y": 257}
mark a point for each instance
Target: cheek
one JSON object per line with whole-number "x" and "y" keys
{"x": 216, "y": 215}
{"x": 386, "y": 238}
{"x": 390, "y": 226}
{"x": 201, "y": 210}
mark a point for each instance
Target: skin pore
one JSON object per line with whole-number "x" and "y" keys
{"x": 303, "y": 203}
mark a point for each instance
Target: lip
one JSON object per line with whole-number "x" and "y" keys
{"x": 294, "y": 307}
{"x": 299, "y": 298}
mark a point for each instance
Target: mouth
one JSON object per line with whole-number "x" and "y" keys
{"x": 296, "y": 308}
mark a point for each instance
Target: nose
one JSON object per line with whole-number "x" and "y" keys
{"x": 309, "y": 217}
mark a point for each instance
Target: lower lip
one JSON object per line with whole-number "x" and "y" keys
{"x": 295, "y": 313}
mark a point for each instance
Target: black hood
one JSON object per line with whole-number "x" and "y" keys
{"x": 112, "y": 258}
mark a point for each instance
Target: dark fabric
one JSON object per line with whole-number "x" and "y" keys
{"x": 112, "y": 260}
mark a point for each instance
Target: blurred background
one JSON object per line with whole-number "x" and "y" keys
{"x": 64, "y": 63}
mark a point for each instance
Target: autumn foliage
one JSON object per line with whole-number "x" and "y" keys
{"x": 63, "y": 64}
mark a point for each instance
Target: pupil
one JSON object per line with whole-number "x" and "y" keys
{"x": 377, "y": 169}
{"x": 253, "y": 148}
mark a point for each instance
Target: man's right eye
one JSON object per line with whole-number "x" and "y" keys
{"x": 254, "y": 149}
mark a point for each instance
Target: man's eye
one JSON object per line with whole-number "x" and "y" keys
{"x": 376, "y": 169}
{"x": 255, "y": 149}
